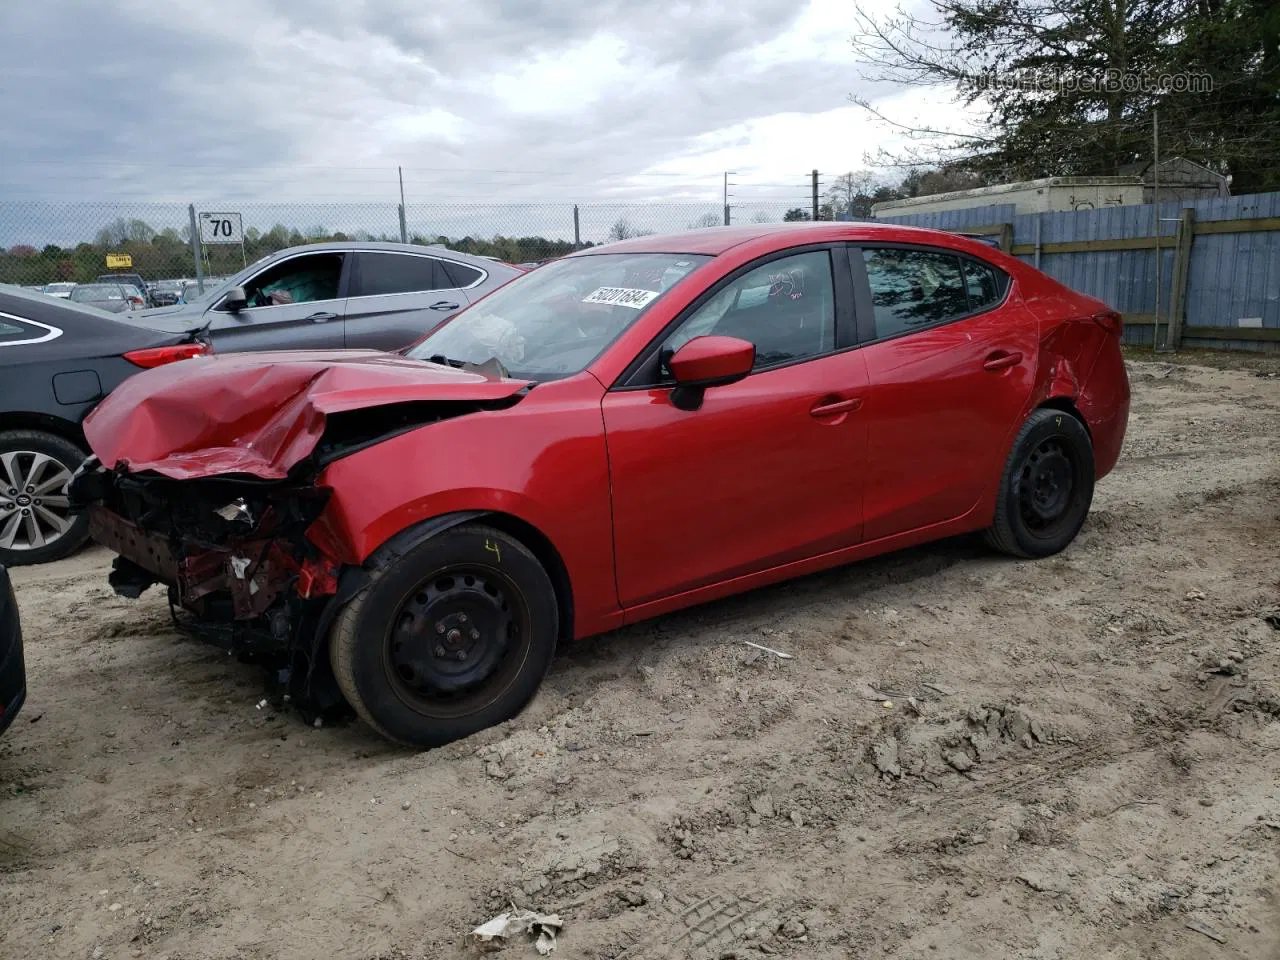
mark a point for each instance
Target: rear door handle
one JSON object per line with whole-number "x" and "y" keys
{"x": 1001, "y": 360}
{"x": 443, "y": 305}
{"x": 835, "y": 407}
{"x": 322, "y": 317}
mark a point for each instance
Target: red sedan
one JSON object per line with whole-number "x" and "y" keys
{"x": 623, "y": 432}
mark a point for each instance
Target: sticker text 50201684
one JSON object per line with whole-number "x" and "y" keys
{"x": 621, "y": 296}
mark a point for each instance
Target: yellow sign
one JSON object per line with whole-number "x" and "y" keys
{"x": 119, "y": 261}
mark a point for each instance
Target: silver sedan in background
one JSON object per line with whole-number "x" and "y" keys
{"x": 332, "y": 295}
{"x": 112, "y": 297}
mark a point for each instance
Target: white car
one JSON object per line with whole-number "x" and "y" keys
{"x": 62, "y": 290}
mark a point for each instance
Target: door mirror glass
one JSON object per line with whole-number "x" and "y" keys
{"x": 235, "y": 299}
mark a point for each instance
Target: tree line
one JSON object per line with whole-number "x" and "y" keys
{"x": 166, "y": 253}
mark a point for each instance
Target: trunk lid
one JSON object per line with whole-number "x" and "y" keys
{"x": 262, "y": 413}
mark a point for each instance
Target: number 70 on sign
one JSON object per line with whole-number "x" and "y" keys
{"x": 221, "y": 228}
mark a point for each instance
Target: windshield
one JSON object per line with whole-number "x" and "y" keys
{"x": 556, "y": 320}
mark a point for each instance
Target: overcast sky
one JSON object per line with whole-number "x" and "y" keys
{"x": 486, "y": 100}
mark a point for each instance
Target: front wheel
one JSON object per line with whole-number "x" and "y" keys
{"x": 1046, "y": 488}
{"x": 452, "y": 637}
{"x": 36, "y": 522}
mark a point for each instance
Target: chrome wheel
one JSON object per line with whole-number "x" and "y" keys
{"x": 34, "y": 509}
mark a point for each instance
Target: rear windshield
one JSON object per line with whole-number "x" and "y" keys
{"x": 97, "y": 291}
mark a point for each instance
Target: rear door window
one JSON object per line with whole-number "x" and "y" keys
{"x": 459, "y": 274}
{"x": 384, "y": 273}
{"x": 911, "y": 289}
{"x": 984, "y": 283}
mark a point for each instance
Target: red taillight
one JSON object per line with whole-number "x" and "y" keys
{"x": 1110, "y": 321}
{"x": 159, "y": 356}
{"x": 135, "y": 301}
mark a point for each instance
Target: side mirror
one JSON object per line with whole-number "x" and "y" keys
{"x": 236, "y": 300}
{"x": 709, "y": 361}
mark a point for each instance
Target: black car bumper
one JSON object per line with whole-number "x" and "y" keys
{"x": 13, "y": 677}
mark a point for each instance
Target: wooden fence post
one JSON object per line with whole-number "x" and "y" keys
{"x": 1181, "y": 272}
{"x": 1006, "y": 237}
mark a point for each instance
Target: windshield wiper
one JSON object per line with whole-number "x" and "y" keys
{"x": 444, "y": 361}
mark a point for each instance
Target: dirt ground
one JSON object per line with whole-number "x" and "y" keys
{"x": 966, "y": 757}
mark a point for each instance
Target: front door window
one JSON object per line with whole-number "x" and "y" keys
{"x": 296, "y": 280}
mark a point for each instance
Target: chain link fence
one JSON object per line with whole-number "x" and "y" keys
{"x": 45, "y": 242}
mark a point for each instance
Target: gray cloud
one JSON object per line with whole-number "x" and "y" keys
{"x": 246, "y": 100}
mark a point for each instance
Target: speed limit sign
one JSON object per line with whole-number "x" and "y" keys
{"x": 221, "y": 228}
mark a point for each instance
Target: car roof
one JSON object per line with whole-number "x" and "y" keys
{"x": 374, "y": 246}
{"x": 714, "y": 241}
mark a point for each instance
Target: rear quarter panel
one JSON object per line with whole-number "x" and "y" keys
{"x": 28, "y": 389}
{"x": 1080, "y": 362}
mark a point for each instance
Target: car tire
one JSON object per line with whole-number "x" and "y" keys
{"x": 451, "y": 637}
{"x": 21, "y": 451}
{"x": 1046, "y": 488}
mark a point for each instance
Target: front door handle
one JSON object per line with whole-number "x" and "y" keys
{"x": 833, "y": 408}
{"x": 443, "y": 305}
{"x": 1002, "y": 360}
{"x": 322, "y": 317}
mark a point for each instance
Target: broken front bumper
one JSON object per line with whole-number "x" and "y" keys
{"x": 227, "y": 549}
{"x": 253, "y": 574}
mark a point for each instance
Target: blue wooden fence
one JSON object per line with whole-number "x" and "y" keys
{"x": 1232, "y": 278}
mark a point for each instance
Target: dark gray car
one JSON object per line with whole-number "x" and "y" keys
{"x": 330, "y": 295}
{"x": 58, "y": 358}
{"x": 112, "y": 297}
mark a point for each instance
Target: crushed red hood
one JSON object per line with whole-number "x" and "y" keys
{"x": 261, "y": 413}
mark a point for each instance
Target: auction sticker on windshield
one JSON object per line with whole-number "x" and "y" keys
{"x": 621, "y": 297}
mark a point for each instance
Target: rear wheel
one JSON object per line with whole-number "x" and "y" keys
{"x": 1046, "y": 488}
{"x": 453, "y": 637}
{"x": 36, "y": 523}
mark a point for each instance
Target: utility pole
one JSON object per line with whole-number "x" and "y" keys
{"x": 404, "y": 229}
{"x": 1155, "y": 220}
{"x": 727, "y": 175}
{"x": 577, "y": 231}
{"x": 815, "y": 194}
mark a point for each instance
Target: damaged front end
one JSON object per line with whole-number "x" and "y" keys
{"x": 233, "y": 554}
{"x": 207, "y": 480}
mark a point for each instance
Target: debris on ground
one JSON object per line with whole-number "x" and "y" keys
{"x": 777, "y": 653}
{"x": 543, "y": 927}
{"x": 1199, "y": 926}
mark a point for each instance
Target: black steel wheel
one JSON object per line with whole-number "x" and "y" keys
{"x": 1047, "y": 486}
{"x": 447, "y": 639}
{"x": 459, "y": 633}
